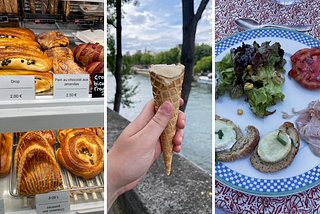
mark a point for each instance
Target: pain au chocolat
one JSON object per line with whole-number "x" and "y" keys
{"x": 43, "y": 81}
{"x": 19, "y": 43}
{"x": 20, "y": 33}
{"x": 20, "y": 58}
{"x": 82, "y": 152}
{"x": 38, "y": 172}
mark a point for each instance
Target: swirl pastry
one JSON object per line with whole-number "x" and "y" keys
{"x": 82, "y": 152}
{"x": 19, "y": 58}
{"x": 38, "y": 172}
{"x": 52, "y": 39}
{"x": 43, "y": 81}
{"x": 100, "y": 132}
{"x": 48, "y": 134}
{"x": 61, "y": 133}
{"x": 20, "y": 33}
{"x": 87, "y": 54}
{"x": 19, "y": 43}
{"x": 6, "y": 141}
{"x": 27, "y": 140}
{"x": 59, "y": 53}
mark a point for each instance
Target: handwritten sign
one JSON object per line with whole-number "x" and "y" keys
{"x": 17, "y": 87}
{"x": 1, "y": 206}
{"x": 69, "y": 86}
{"x": 98, "y": 85}
{"x": 53, "y": 202}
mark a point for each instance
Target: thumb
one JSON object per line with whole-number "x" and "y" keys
{"x": 158, "y": 123}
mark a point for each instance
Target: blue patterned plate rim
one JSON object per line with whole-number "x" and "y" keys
{"x": 255, "y": 186}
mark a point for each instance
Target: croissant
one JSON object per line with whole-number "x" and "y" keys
{"x": 6, "y": 141}
{"x": 87, "y": 54}
{"x": 61, "y": 133}
{"x": 38, "y": 172}
{"x": 95, "y": 67}
{"x": 19, "y": 43}
{"x": 82, "y": 152}
{"x": 48, "y": 134}
{"x": 52, "y": 39}
{"x": 19, "y": 58}
{"x": 43, "y": 81}
{"x": 20, "y": 33}
{"x": 27, "y": 140}
{"x": 59, "y": 53}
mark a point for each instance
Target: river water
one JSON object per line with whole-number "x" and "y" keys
{"x": 197, "y": 143}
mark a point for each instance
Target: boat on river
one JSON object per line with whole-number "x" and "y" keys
{"x": 207, "y": 79}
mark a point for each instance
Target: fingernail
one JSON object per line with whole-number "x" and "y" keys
{"x": 166, "y": 107}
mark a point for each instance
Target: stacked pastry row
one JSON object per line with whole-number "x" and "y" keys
{"x": 24, "y": 53}
{"x": 50, "y": 6}
{"x": 81, "y": 152}
{"x": 9, "y": 6}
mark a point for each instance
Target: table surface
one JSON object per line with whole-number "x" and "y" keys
{"x": 304, "y": 12}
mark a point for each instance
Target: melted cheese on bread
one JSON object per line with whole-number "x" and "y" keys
{"x": 270, "y": 149}
{"x": 228, "y": 138}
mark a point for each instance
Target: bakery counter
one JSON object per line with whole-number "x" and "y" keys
{"x": 46, "y": 113}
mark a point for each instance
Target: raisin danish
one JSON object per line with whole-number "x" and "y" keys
{"x": 87, "y": 54}
{"x": 20, "y": 33}
{"x": 82, "y": 152}
{"x": 52, "y": 39}
{"x": 61, "y": 133}
{"x": 59, "y": 53}
{"x": 19, "y": 43}
{"x": 43, "y": 81}
{"x": 19, "y": 58}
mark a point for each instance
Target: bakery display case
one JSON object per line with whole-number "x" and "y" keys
{"x": 59, "y": 30}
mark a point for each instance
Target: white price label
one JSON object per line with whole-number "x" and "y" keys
{"x": 1, "y": 206}
{"x": 53, "y": 202}
{"x": 71, "y": 86}
{"x": 17, "y": 87}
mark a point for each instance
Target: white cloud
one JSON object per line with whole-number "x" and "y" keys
{"x": 178, "y": 5}
{"x": 167, "y": 15}
{"x": 137, "y": 18}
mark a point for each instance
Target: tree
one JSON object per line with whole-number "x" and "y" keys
{"x": 147, "y": 59}
{"x": 201, "y": 51}
{"x": 136, "y": 59}
{"x": 114, "y": 19}
{"x": 190, "y": 22}
{"x": 205, "y": 65}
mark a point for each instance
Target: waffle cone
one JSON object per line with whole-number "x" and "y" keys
{"x": 166, "y": 88}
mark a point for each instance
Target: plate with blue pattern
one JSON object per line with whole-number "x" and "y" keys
{"x": 304, "y": 171}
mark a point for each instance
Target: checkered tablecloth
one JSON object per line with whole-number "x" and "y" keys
{"x": 305, "y": 12}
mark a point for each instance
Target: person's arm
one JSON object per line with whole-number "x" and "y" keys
{"x": 138, "y": 147}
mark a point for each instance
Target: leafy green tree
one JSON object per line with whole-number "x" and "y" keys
{"x": 146, "y": 59}
{"x": 136, "y": 59}
{"x": 205, "y": 65}
{"x": 201, "y": 51}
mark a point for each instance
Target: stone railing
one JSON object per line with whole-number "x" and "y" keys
{"x": 184, "y": 191}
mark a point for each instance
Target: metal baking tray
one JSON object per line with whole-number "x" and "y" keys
{"x": 89, "y": 9}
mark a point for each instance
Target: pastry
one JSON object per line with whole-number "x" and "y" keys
{"x": 20, "y": 33}
{"x": 32, "y": 5}
{"x": 44, "y": 6}
{"x": 82, "y": 152}
{"x": 38, "y": 172}
{"x": 7, "y": 5}
{"x": 59, "y": 53}
{"x": 14, "y": 6}
{"x": 56, "y": 3}
{"x": 87, "y": 54}
{"x": 48, "y": 134}
{"x": 43, "y": 81}
{"x": 51, "y": 6}
{"x": 68, "y": 9}
{"x": 2, "y": 7}
{"x": 95, "y": 67}
{"x": 100, "y": 132}
{"x": 61, "y": 133}
{"x": 52, "y": 39}
{"x": 19, "y": 58}
{"x": 166, "y": 81}
{"x": 19, "y": 43}
{"x": 6, "y": 141}
{"x": 27, "y": 140}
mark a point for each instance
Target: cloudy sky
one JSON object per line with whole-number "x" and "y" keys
{"x": 157, "y": 25}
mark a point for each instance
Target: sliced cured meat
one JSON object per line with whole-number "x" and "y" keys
{"x": 308, "y": 124}
{"x": 306, "y": 67}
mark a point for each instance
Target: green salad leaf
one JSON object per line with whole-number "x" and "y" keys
{"x": 256, "y": 71}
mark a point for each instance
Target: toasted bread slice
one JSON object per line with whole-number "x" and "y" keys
{"x": 264, "y": 166}
{"x": 244, "y": 144}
